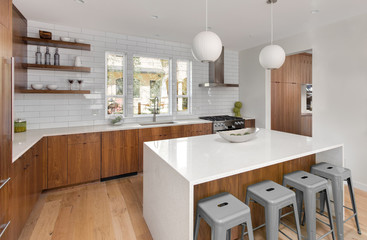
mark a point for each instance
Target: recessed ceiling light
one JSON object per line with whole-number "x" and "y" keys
{"x": 156, "y": 35}
{"x": 80, "y": 1}
{"x": 315, "y": 11}
{"x": 209, "y": 28}
{"x": 154, "y": 16}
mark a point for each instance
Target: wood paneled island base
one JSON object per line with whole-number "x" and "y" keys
{"x": 237, "y": 185}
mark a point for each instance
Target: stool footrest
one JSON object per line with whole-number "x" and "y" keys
{"x": 350, "y": 217}
{"x": 323, "y": 236}
{"x": 289, "y": 227}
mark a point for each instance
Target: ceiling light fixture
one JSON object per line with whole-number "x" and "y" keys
{"x": 154, "y": 16}
{"x": 80, "y": 1}
{"x": 272, "y": 56}
{"x": 315, "y": 11}
{"x": 206, "y": 46}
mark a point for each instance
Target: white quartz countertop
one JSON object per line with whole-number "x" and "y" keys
{"x": 24, "y": 141}
{"x": 206, "y": 158}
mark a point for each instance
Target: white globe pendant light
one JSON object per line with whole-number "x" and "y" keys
{"x": 272, "y": 56}
{"x": 206, "y": 46}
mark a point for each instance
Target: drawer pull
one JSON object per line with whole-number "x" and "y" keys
{"x": 3, "y": 182}
{"x": 4, "y": 227}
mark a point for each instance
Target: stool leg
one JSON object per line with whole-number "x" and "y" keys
{"x": 296, "y": 218}
{"x": 299, "y": 198}
{"x": 271, "y": 220}
{"x": 219, "y": 233}
{"x": 250, "y": 231}
{"x": 327, "y": 199}
{"x": 197, "y": 225}
{"x": 243, "y": 231}
{"x": 229, "y": 234}
{"x": 322, "y": 202}
{"x": 310, "y": 210}
{"x": 337, "y": 184}
{"x": 352, "y": 198}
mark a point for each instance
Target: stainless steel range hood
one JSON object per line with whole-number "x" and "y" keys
{"x": 216, "y": 74}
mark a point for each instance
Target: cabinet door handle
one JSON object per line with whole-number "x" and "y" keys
{"x": 3, "y": 182}
{"x": 4, "y": 227}
{"x": 12, "y": 96}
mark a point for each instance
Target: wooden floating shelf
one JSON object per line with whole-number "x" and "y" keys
{"x": 53, "y": 91}
{"x": 56, "y": 43}
{"x": 56, "y": 68}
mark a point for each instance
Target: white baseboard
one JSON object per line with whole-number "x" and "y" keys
{"x": 360, "y": 186}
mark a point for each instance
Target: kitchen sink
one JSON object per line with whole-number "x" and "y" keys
{"x": 156, "y": 123}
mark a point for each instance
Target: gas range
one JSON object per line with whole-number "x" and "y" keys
{"x": 225, "y": 122}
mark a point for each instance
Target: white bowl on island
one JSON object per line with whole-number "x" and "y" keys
{"x": 240, "y": 135}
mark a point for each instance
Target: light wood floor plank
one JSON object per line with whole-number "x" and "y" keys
{"x": 122, "y": 225}
{"x": 45, "y": 225}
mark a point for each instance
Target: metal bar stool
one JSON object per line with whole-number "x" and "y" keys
{"x": 273, "y": 197}
{"x": 223, "y": 212}
{"x": 307, "y": 186}
{"x": 337, "y": 176}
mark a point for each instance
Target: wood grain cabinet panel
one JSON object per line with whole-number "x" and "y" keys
{"x": 120, "y": 152}
{"x": 84, "y": 162}
{"x": 250, "y": 123}
{"x": 5, "y": 16}
{"x": 57, "y": 163}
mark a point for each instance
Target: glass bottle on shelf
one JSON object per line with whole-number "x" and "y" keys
{"x": 38, "y": 55}
{"x": 57, "y": 57}
{"x": 47, "y": 57}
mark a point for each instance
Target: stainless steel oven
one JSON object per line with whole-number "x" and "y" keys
{"x": 225, "y": 122}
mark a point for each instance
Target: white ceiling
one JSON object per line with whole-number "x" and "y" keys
{"x": 240, "y": 24}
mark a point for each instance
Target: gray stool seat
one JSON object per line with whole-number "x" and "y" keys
{"x": 273, "y": 197}
{"x": 330, "y": 171}
{"x": 307, "y": 186}
{"x": 337, "y": 175}
{"x": 223, "y": 212}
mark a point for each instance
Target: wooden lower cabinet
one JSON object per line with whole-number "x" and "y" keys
{"x": 25, "y": 186}
{"x": 84, "y": 162}
{"x": 120, "y": 150}
{"x": 162, "y": 133}
{"x": 250, "y": 123}
{"x": 57, "y": 167}
{"x": 73, "y": 159}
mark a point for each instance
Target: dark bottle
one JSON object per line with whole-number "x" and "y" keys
{"x": 38, "y": 56}
{"x": 57, "y": 57}
{"x": 47, "y": 57}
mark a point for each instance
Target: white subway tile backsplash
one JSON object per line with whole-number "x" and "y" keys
{"x": 54, "y": 110}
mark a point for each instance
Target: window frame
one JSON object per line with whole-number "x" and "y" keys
{"x": 170, "y": 81}
{"x": 189, "y": 88}
{"x": 124, "y": 75}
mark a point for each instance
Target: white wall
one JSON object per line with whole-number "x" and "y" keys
{"x": 57, "y": 110}
{"x": 339, "y": 87}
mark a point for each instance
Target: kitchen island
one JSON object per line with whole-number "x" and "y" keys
{"x": 179, "y": 172}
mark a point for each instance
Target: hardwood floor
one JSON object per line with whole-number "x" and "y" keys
{"x": 113, "y": 210}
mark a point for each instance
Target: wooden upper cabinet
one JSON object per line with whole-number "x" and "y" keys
{"x": 306, "y": 68}
{"x": 296, "y": 69}
{"x": 20, "y": 52}
{"x": 5, "y": 13}
{"x": 84, "y": 158}
{"x": 57, "y": 167}
{"x": 120, "y": 153}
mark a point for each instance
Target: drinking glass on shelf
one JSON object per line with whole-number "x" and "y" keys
{"x": 71, "y": 81}
{"x": 80, "y": 84}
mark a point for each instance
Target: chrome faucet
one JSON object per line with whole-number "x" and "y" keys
{"x": 155, "y": 109}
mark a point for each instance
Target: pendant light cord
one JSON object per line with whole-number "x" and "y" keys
{"x": 272, "y": 23}
{"x": 206, "y": 15}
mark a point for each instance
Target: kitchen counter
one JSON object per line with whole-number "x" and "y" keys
{"x": 24, "y": 141}
{"x": 172, "y": 168}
